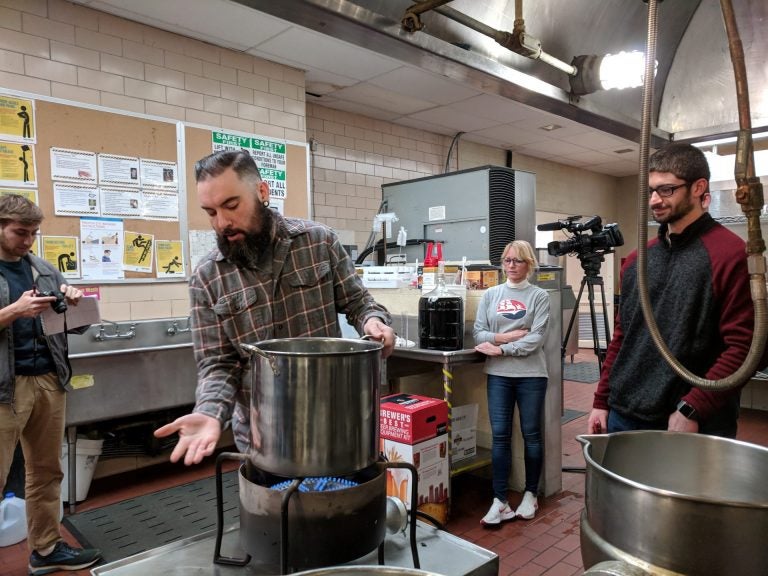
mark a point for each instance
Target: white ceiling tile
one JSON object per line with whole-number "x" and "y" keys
{"x": 601, "y": 141}
{"x": 359, "y": 108}
{"x": 325, "y": 53}
{"x": 321, "y": 82}
{"x": 617, "y": 168}
{"x": 383, "y": 99}
{"x": 475, "y": 137}
{"x": 451, "y": 118}
{"x": 493, "y": 107}
{"x": 535, "y": 119}
{"x": 216, "y": 21}
{"x": 423, "y": 85}
{"x": 535, "y": 152}
{"x": 590, "y": 157}
{"x": 570, "y": 161}
{"x": 411, "y": 122}
{"x": 554, "y": 147}
{"x": 512, "y": 135}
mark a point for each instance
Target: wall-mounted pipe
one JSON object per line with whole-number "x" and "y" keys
{"x": 516, "y": 41}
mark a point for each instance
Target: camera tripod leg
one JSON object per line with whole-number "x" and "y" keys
{"x": 574, "y": 313}
{"x": 600, "y": 352}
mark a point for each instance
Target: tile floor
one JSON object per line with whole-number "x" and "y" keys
{"x": 547, "y": 545}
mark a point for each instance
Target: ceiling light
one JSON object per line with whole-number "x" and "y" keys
{"x": 593, "y": 73}
{"x": 550, "y": 127}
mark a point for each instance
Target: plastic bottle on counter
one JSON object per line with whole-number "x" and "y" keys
{"x": 441, "y": 317}
{"x": 13, "y": 520}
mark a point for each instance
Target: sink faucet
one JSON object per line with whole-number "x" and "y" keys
{"x": 102, "y": 335}
{"x": 174, "y": 329}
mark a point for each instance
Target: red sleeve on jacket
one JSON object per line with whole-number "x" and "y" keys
{"x": 730, "y": 284}
{"x": 601, "y": 394}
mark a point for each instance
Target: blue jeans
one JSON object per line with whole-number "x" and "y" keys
{"x": 722, "y": 424}
{"x": 528, "y": 393}
{"x": 619, "y": 423}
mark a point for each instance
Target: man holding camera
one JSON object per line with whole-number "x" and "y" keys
{"x": 34, "y": 370}
{"x": 698, "y": 287}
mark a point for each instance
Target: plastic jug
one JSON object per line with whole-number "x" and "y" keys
{"x": 13, "y": 520}
{"x": 433, "y": 257}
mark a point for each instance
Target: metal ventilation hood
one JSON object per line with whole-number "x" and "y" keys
{"x": 695, "y": 91}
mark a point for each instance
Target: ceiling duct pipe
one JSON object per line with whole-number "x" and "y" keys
{"x": 516, "y": 41}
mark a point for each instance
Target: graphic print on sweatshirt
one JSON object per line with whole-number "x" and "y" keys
{"x": 511, "y": 309}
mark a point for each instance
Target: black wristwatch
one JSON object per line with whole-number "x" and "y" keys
{"x": 687, "y": 410}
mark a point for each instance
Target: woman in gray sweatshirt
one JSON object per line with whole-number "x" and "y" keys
{"x": 509, "y": 329}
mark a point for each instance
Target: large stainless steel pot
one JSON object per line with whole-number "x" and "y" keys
{"x": 314, "y": 405}
{"x": 673, "y": 503}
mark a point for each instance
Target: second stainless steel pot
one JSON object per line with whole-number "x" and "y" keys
{"x": 314, "y": 405}
{"x": 673, "y": 503}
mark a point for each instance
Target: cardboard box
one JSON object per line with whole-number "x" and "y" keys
{"x": 431, "y": 461}
{"x": 482, "y": 278}
{"x": 410, "y": 419}
{"x": 464, "y": 444}
{"x": 465, "y": 416}
{"x": 490, "y": 278}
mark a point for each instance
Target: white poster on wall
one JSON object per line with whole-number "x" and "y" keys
{"x": 75, "y": 199}
{"x": 73, "y": 165}
{"x": 118, "y": 170}
{"x": 125, "y": 202}
{"x": 156, "y": 205}
{"x": 101, "y": 249}
{"x": 158, "y": 174}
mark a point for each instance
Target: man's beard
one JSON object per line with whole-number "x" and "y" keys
{"x": 682, "y": 209}
{"x": 245, "y": 253}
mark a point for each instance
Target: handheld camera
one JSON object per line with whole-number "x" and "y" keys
{"x": 60, "y": 304}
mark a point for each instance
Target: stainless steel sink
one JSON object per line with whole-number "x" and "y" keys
{"x": 130, "y": 336}
{"x": 153, "y": 369}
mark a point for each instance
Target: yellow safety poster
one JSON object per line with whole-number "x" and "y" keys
{"x": 17, "y": 119}
{"x": 17, "y": 165}
{"x": 61, "y": 252}
{"x": 138, "y": 254}
{"x": 30, "y": 195}
{"x": 170, "y": 258}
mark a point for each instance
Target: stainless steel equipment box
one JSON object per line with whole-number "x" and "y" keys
{"x": 474, "y": 212}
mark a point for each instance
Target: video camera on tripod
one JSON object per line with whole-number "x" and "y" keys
{"x": 602, "y": 238}
{"x": 590, "y": 242}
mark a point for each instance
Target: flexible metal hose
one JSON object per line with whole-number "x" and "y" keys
{"x": 751, "y": 204}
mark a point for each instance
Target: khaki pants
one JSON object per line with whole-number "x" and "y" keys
{"x": 36, "y": 417}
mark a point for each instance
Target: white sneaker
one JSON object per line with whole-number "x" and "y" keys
{"x": 528, "y": 506}
{"x": 499, "y": 512}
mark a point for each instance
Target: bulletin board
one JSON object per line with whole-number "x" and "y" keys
{"x": 198, "y": 144}
{"x": 71, "y": 127}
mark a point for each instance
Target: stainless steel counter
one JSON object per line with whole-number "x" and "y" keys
{"x": 439, "y": 552}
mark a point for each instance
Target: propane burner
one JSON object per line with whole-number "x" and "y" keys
{"x": 321, "y": 484}
{"x": 279, "y": 516}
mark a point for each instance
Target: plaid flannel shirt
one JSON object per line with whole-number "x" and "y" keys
{"x": 297, "y": 290}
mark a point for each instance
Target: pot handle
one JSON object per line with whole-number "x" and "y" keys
{"x": 256, "y": 350}
{"x": 369, "y": 337}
